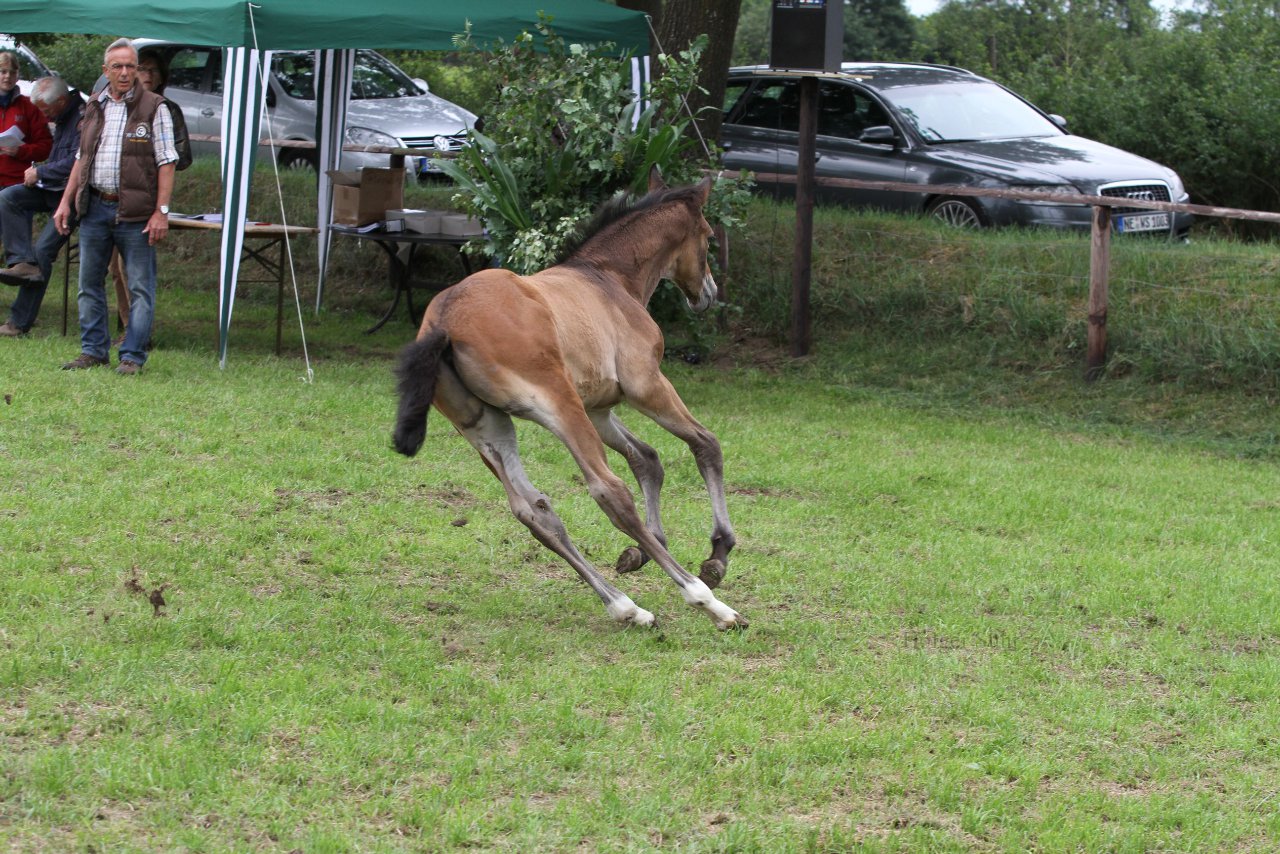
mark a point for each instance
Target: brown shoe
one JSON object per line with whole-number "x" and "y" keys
{"x": 8, "y": 330}
{"x": 84, "y": 360}
{"x": 128, "y": 367}
{"x": 21, "y": 273}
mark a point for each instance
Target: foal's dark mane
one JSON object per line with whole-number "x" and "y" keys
{"x": 616, "y": 209}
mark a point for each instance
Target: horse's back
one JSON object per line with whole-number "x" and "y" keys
{"x": 510, "y": 333}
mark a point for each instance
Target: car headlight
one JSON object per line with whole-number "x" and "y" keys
{"x": 1057, "y": 189}
{"x": 368, "y": 136}
{"x": 1177, "y": 191}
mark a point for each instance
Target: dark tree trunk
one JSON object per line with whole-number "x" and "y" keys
{"x": 678, "y": 23}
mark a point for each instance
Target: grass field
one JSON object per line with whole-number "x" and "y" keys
{"x": 975, "y": 626}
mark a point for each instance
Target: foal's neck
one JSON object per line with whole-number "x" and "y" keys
{"x": 635, "y": 254}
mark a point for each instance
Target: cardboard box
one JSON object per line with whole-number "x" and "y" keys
{"x": 365, "y": 195}
{"x": 460, "y": 225}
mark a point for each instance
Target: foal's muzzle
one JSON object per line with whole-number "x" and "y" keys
{"x": 707, "y": 297}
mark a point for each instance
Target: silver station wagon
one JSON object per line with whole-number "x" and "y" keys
{"x": 930, "y": 124}
{"x": 387, "y": 106}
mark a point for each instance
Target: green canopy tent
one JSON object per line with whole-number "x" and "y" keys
{"x": 250, "y": 31}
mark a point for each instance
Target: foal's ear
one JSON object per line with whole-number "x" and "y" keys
{"x": 655, "y": 179}
{"x": 704, "y": 190}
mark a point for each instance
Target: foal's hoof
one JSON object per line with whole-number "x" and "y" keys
{"x": 630, "y": 560}
{"x": 737, "y": 621}
{"x": 628, "y": 613}
{"x": 644, "y": 619}
{"x": 712, "y": 572}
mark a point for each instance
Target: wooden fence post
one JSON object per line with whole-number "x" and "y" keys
{"x": 1099, "y": 270}
{"x": 802, "y": 260}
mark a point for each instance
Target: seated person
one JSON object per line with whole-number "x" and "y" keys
{"x": 41, "y": 190}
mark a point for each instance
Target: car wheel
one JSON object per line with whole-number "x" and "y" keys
{"x": 957, "y": 211}
{"x": 297, "y": 159}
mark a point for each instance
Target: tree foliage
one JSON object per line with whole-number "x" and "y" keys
{"x": 564, "y": 133}
{"x": 873, "y": 30}
{"x": 1193, "y": 90}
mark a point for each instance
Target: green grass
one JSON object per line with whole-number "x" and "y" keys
{"x": 968, "y": 633}
{"x": 1201, "y": 314}
{"x": 992, "y": 608}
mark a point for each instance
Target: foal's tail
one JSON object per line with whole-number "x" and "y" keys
{"x": 418, "y": 369}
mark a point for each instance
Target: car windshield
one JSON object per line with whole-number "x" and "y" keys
{"x": 373, "y": 77}
{"x": 963, "y": 112}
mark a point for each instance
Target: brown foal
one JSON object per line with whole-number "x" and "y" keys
{"x": 562, "y": 348}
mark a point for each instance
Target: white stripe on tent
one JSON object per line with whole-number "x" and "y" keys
{"x": 242, "y": 103}
{"x": 639, "y": 86}
{"x": 334, "y": 70}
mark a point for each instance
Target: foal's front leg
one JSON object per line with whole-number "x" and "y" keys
{"x": 659, "y": 401}
{"x": 571, "y": 424}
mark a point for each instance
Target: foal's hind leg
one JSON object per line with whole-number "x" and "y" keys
{"x": 658, "y": 400}
{"x": 647, "y": 468}
{"x": 492, "y": 434}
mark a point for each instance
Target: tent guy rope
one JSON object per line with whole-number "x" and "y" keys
{"x": 260, "y": 68}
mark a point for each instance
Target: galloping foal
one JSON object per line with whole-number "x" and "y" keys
{"x": 561, "y": 348}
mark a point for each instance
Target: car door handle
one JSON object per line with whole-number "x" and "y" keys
{"x": 207, "y": 112}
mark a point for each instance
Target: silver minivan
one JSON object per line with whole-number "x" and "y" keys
{"x": 387, "y": 106}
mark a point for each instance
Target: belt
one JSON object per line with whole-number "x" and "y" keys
{"x": 106, "y": 197}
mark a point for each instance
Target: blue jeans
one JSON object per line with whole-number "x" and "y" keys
{"x": 17, "y": 204}
{"x": 99, "y": 233}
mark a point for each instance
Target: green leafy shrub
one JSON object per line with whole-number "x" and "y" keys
{"x": 563, "y": 134}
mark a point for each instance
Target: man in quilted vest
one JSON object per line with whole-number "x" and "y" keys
{"x": 120, "y": 188}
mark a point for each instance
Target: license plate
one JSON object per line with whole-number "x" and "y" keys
{"x": 1143, "y": 222}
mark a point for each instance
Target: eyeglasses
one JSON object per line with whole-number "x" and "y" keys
{"x": 121, "y": 66}
{"x": 147, "y": 69}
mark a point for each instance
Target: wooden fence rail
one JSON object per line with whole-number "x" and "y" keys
{"x": 1099, "y": 244}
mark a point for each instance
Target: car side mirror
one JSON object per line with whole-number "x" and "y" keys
{"x": 1058, "y": 120}
{"x": 879, "y": 135}
{"x": 422, "y": 84}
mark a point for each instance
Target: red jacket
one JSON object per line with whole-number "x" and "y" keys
{"x": 37, "y": 140}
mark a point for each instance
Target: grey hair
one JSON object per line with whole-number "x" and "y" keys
{"x": 118, "y": 43}
{"x": 48, "y": 90}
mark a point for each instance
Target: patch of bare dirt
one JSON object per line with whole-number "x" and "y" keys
{"x": 747, "y": 349}
{"x": 155, "y": 596}
{"x": 323, "y": 498}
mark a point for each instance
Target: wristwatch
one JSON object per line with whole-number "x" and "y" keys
{"x": 164, "y": 209}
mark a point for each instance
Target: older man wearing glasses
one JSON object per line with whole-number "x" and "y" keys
{"x": 120, "y": 187}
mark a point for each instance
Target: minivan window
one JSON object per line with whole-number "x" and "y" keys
{"x": 296, "y": 74}
{"x": 373, "y": 77}
{"x": 187, "y": 68}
